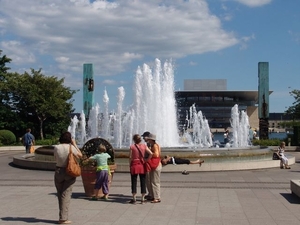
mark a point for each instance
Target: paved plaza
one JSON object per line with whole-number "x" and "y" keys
{"x": 233, "y": 197}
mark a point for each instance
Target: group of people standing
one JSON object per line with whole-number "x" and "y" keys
{"x": 145, "y": 162}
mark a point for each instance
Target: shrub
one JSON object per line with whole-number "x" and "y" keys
{"x": 46, "y": 142}
{"x": 7, "y": 137}
{"x": 267, "y": 142}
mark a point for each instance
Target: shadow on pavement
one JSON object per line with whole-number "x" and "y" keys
{"x": 291, "y": 198}
{"x": 28, "y": 220}
{"x": 118, "y": 198}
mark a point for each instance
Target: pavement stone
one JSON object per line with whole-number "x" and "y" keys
{"x": 249, "y": 197}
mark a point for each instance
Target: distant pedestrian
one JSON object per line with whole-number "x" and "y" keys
{"x": 226, "y": 136}
{"x": 28, "y": 140}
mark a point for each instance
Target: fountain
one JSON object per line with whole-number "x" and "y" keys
{"x": 154, "y": 110}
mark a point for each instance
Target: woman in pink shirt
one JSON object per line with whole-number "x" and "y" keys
{"x": 137, "y": 166}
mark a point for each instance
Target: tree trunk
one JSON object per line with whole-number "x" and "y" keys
{"x": 41, "y": 129}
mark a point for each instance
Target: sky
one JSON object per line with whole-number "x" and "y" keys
{"x": 205, "y": 39}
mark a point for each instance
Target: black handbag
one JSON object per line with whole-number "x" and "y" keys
{"x": 275, "y": 156}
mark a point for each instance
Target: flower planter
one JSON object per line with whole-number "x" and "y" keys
{"x": 88, "y": 176}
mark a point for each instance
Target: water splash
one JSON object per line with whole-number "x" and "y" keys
{"x": 240, "y": 128}
{"x": 154, "y": 109}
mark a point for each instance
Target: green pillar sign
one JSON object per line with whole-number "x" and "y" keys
{"x": 88, "y": 88}
{"x": 263, "y": 99}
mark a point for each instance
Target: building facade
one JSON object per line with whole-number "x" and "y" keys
{"x": 215, "y": 102}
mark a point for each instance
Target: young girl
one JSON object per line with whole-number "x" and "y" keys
{"x": 102, "y": 173}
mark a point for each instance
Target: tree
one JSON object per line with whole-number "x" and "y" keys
{"x": 39, "y": 97}
{"x": 294, "y": 110}
{"x": 4, "y": 109}
{"x": 3, "y": 68}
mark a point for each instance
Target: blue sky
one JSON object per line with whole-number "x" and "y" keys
{"x": 212, "y": 39}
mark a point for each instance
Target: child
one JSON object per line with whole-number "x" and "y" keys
{"x": 102, "y": 173}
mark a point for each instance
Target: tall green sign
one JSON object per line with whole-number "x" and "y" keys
{"x": 263, "y": 99}
{"x": 88, "y": 88}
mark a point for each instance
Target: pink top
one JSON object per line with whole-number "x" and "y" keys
{"x": 135, "y": 154}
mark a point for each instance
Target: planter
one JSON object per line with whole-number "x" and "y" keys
{"x": 88, "y": 168}
{"x": 88, "y": 175}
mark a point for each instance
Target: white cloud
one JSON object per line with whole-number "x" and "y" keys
{"x": 244, "y": 41}
{"x": 18, "y": 52}
{"x": 62, "y": 59}
{"x": 193, "y": 63}
{"x": 295, "y": 36}
{"x": 108, "y": 34}
{"x": 254, "y": 3}
{"x": 109, "y": 82}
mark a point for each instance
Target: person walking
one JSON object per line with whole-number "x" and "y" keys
{"x": 64, "y": 182}
{"x": 283, "y": 159}
{"x": 28, "y": 140}
{"x": 137, "y": 167}
{"x": 102, "y": 173}
{"x": 155, "y": 171}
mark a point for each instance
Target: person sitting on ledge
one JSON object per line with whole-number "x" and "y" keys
{"x": 173, "y": 160}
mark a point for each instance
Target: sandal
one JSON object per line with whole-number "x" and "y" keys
{"x": 64, "y": 222}
{"x": 156, "y": 201}
{"x": 287, "y": 167}
{"x": 104, "y": 198}
{"x": 94, "y": 198}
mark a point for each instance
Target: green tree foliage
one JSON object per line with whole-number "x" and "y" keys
{"x": 3, "y": 65}
{"x": 39, "y": 98}
{"x": 5, "y": 111}
{"x": 294, "y": 110}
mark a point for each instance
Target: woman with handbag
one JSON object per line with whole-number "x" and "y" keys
{"x": 137, "y": 166}
{"x": 155, "y": 171}
{"x": 63, "y": 181}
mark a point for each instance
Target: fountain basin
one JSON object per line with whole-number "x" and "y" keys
{"x": 218, "y": 159}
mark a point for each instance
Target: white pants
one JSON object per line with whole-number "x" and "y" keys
{"x": 284, "y": 161}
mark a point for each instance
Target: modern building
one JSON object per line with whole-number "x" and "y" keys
{"x": 215, "y": 102}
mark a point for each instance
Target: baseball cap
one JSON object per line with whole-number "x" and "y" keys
{"x": 146, "y": 134}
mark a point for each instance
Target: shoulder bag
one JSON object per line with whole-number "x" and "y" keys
{"x": 275, "y": 156}
{"x": 73, "y": 169}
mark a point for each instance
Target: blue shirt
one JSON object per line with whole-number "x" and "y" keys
{"x": 28, "y": 139}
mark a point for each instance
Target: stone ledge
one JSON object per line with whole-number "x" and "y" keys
{"x": 295, "y": 187}
{"x": 217, "y": 166}
{"x": 27, "y": 161}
